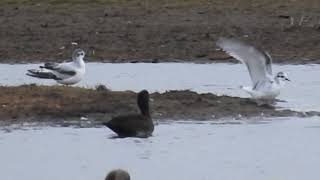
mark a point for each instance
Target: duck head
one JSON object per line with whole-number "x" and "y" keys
{"x": 118, "y": 174}
{"x": 143, "y": 102}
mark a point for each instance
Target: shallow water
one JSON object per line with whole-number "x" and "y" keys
{"x": 302, "y": 93}
{"x": 244, "y": 150}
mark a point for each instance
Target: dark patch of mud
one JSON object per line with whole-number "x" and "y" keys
{"x": 30, "y": 103}
{"x": 156, "y": 31}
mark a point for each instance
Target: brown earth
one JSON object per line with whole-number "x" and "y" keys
{"x": 156, "y": 30}
{"x": 31, "y": 103}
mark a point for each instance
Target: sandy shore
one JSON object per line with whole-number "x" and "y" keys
{"x": 30, "y": 103}
{"x": 156, "y": 31}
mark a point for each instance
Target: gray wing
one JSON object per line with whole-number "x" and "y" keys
{"x": 63, "y": 68}
{"x": 257, "y": 61}
{"x": 268, "y": 62}
{"x": 50, "y": 65}
{"x": 66, "y": 72}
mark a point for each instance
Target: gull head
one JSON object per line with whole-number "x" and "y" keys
{"x": 282, "y": 77}
{"x": 78, "y": 54}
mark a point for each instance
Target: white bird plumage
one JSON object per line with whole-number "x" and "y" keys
{"x": 67, "y": 73}
{"x": 259, "y": 65}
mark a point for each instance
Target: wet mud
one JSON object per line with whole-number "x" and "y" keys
{"x": 156, "y": 31}
{"x": 31, "y": 103}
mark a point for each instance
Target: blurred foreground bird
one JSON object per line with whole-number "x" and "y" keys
{"x": 118, "y": 174}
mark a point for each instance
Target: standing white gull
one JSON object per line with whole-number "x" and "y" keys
{"x": 264, "y": 85}
{"x": 67, "y": 73}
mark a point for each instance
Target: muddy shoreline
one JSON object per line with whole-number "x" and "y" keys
{"x": 156, "y": 31}
{"x": 31, "y": 103}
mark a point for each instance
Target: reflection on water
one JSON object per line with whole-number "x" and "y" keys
{"x": 279, "y": 149}
{"x": 300, "y": 94}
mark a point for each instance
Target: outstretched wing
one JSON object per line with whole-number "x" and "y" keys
{"x": 257, "y": 62}
{"x": 268, "y": 62}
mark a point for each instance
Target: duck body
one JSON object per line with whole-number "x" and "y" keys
{"x": 134, "y": 125}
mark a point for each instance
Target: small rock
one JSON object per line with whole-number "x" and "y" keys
{"x": 181, "y": 37}
{"x": 155, "y": 61}
{"x": 201, "y": 55}
{"x": 239, "y": 117}
{"x": 83, "y": 118}
{"x": 201, "y": 12}
{"x": 45, "y": 25}
{"x": 284, "y": 16}
{"x": 101, "y": 87}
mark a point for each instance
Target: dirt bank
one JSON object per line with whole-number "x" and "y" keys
{"x": 59, "y": 103}
{"x": 152, "y": 30}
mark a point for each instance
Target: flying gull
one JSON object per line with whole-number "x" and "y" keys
{"x": 264, "y": 85}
